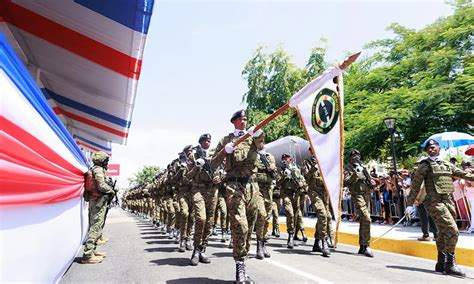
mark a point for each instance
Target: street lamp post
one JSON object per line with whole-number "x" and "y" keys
{"x": 390, "y": 123}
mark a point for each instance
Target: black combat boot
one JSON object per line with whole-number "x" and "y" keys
{"x": 451, "y": 268}
{"x": 265, "y": 251}
{"x": 240, "y": 276}
{"x": 368, "y": 252}
{"x": 231, "y": 244}
{"x": 202, "y": 256}
{"x": 223, "y": 235}
{"x": 325, "y": 248}
{"x": 305, "y": 239}
{"x": 181, "y": 246}
{"x": 439, "y": 267}
{"x": 295, "y": 237}
{"x": 316, "y": 246}
{"x": 188, "y": 245}
{"x": 290, "y": 243}
{"x": 273, "y": 232}
{"x": 361, "y": 249}
{"x": 277, "y": 232}
{"x": 195, "y": 256}
{"x": 214, "y": 231}
{"x": 260, "y": 250}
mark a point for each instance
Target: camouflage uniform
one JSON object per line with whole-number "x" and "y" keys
{"x": 97, "y": 204}
{"x": 276, "y": 205}
{"x": 320, "y": 201}
{"x": 436, "y": 175}
{"x": 221, "y": 208}
{"x": 185, "y": 204}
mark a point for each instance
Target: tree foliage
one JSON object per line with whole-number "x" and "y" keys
{"x": 146, "y": 174}
{"x": 423, "y": 78}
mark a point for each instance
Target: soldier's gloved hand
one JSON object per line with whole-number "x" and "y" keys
{"x": 229, "y": 148}
{"x": 200, "y": 162}
{"x": 410, "y": 212}
{"x": 254, "y": 133}
{"x": 287, "y": 172}
{"x": 183, "y": 165}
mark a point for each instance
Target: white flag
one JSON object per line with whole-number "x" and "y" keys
{"x": 320, "y": 106}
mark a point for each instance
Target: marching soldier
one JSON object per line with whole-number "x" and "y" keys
{"x": 204, "y": 191}
{"x": 359, "y": 181}
{"x": 242, "y": 188}
{"x": 436, "y": 175}
{"x": 221, "y": 208}
{"x": 276, "y": 204}
{"x": 291, "y": 184}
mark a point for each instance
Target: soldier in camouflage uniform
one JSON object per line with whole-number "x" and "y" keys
{"x": 291, "y": 184}
{"x": 266, "y": 178}
{"x": 320, "y": 201}
{"x": 276, "y": 204}
{"x": 97, "y": 206}
{"x": 204, "y": 192}
{"x": 436, "y": 175}
{"x": 359, "y": 181}
{"x": 221, "y": 208}
{"x": 184, "y": 185}
{"x": 168, "y": 200}
{"x": 242, "y": 188}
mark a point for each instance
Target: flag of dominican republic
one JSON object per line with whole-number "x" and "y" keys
{"x": 42, "y": 217}
{"x": 320, "y": 107}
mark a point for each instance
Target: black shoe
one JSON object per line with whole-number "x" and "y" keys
{"x": 273, "y": 232}
{"x": 290, "y": 243}
{"x": 439, "y": 267}
{"x": 316, "y": 247}
{"x": 277, "y": 232}
{"x": 295, "y": 237}
{"x": 195, "y": 257}
{"x": 240, "y": 276}
{"x": 202, "y": 256}
{"x": 361, "y": 250}
{"x": 451, "y": 267}
{"x": 368, "y": 252}
{"x": 182, "y": 246}
{"x": 305, "y": 239}
{"x": 325, "y": 248}
{"x": 223, "y": 236}
{"x": 260, "y": 250}
{"x": 188, "y": 245}
{"x": 266, "y": 254}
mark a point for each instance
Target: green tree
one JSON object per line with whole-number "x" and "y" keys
{"x": 144, "y": 175}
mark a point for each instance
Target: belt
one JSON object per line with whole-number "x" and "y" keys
{"x": 240, "y": 179}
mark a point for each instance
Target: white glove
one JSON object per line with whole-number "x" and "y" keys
{"x": 360, "y": 172}
{"x": 410, "y": 212}
{"x": 287, "y": 172}
{"x": 229, "y": 148}
{"x": 183, "y": 165}
{"x": 200, "y": 162}
{"x": 256, "y": 133}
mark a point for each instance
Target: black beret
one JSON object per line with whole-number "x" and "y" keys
{"x": 431, "y": 142}
{"x": 204, "y": 137}
{"x": 187, "y": 148}
{"x": 285, "y": 156}
{"x": 238, "y": 114}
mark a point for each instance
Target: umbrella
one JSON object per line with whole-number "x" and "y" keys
{"x": 470, "y": 150}
{"x": 451, "y": 139}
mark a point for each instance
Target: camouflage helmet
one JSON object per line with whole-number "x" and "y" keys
{"x": 100, "y": 157}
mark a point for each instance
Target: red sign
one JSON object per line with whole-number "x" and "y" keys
{"x": 114, "y": 170}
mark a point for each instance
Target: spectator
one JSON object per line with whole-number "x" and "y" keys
{"x": 469, "y": 191}
{"x": 386, "y": 197}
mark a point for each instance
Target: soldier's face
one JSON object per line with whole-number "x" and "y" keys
{"x": 189, "y": 152}
{"x": 206, "y": 144}
{"x": 260, "y": 144}
{"x": 433, "y": 150}
{"x": 240, "y": 123}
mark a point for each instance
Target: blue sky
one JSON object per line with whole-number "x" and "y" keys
{"x": 195, "y": 52}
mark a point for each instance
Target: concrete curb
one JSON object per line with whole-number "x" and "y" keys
{"x": 464, "y": 256}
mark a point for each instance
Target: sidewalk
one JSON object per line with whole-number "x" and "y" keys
{"x": 401, "y": 240}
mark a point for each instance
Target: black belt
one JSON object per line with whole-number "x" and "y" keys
{"x": 240, "y": 179}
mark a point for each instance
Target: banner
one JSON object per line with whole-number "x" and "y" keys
{"x": 320, "y": 107}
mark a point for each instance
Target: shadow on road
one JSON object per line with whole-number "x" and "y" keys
{"x": 410, "y": 268}
{"x": 165, "y": 249}
{"x": 222, "y": 254}
{"x": 293, "y": 251}
{"x": 174, "y": 261}
{"x": 200, "y": 280}
{"x": 164, "y": 242}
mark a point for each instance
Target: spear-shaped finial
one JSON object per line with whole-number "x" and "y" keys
{"x": 349, "y": 60}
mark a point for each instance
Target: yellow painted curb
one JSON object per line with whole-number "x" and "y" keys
{"x": 426, "y": 250}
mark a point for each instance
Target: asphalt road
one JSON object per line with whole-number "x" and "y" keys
{"x": 138, "y": 253}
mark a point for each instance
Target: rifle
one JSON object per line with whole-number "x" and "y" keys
{"x": 367, "y": 177}
{"x": 294, "y": 178}
{"x": 207, "y": 163}
{"x": 266, "y": 163}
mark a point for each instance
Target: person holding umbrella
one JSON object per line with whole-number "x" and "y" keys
{"x": 436, "y": 175}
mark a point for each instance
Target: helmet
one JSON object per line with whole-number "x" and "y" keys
{"x": 100, "y": 157}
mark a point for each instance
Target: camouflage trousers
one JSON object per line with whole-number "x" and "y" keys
{"x": 204, "y": 207}
{"x": 243, "y": 205}
{"x": 221, "y": 212}
{"x": 264, "y": 211}
{"x": 186, "y": 219}
{"x": 362, "y": 207}
{"x": 294, "y": 217}
{"x": 276, "y": 204}
{"x": 170, "y": 212}
{"x": 97, "y": 209}
{"x": 324, "y": 218}
{"x": 443, "y": 212}
{"x": 177, "y": 210}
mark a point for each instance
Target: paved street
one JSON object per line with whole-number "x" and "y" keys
{"x": 138, "y": 253}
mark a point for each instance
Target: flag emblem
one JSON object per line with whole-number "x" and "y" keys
{"x": 325, "y": 111}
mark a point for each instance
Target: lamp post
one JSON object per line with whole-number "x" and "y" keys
{"x": 390, "y": 123}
